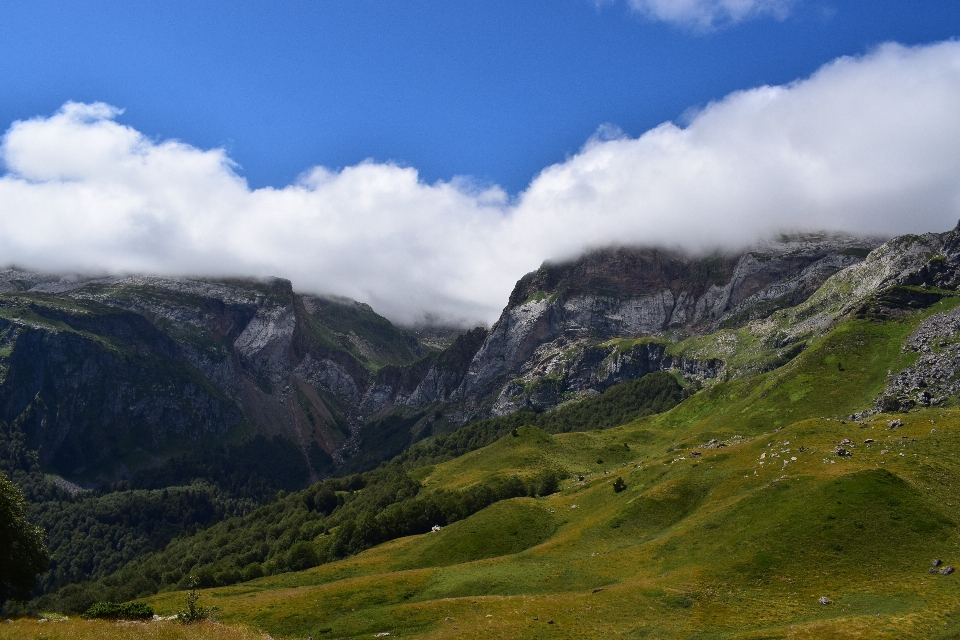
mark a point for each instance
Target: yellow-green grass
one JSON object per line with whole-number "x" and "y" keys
{"x": 736, "y": 542}
{"x": 79, "y": 629}
{"x": 714, "y": 546}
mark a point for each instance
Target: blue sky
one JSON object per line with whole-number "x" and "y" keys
{"x": 496, "y": 90}
{"x": 422, "y": 156}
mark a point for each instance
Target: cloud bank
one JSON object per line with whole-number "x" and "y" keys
{"x": 865, "y": 145}
{"x": 703, "y": 15}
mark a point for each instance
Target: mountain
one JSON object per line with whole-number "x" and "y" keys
{"x": 110, "y": 377}
{"x": 562, "y": 334}
{"x": 164, "y": 380}
{"x": 560, "y": 318}
{"x": 808, "y": 489}
{"x": 240, "y": 388}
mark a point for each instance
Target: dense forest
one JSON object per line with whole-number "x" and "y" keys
{"x": 123, "y": 541}
{"x": 328, "y": 521}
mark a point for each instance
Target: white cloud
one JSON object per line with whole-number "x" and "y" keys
{"x": 865, "y": 145}
{"x": 703, "y": 15}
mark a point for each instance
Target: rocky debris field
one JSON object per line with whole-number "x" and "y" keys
{"x": 933, "y": 378}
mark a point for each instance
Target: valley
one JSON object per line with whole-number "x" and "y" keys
{"x": 728, "y": 527}
{"x": 646, "y": 445}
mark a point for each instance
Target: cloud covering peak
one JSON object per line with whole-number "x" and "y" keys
{"x": 865, "y": 145}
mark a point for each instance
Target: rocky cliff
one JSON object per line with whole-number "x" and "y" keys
{"x": 107, "y": 375}
{"x": 553, "y": 340}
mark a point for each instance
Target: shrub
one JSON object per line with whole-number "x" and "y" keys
{"x": 194, "y": 613}
{"x": 302, "y": 556}
{"x": 122, "y": 611}
{"x": 619, "y": 485}
{"x": 545, "y": 484}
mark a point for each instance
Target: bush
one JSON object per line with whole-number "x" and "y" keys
{"x": 123, "y": 611}
{"x": 619, "y": 485}
{"x": 545, "y": 484}
{"x": 194, "y": 613}
{"x": 301, "y": 556}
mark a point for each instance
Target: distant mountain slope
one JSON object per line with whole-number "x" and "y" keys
{"x": 108, "y": 376}
{"x": 256, "y": 388}
{"x": 222, "y": 361}
{"x": 562, "y": 333}
{"x": 560, "y": 310}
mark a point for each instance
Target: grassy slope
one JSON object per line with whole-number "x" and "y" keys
{"x": 77, "y": 629}
{"x": 737, "y": 542}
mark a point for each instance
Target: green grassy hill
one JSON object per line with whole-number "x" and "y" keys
{"x": 738, "y": 515}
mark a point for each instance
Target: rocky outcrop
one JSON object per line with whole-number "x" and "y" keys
{"x": 933, "y": 272}
{"x": 932, "y": 378}
{"x": 548, "y": 344}
{"x": 592, "y": 369}
{"x": 448, "y": 371}
{"x": 264, "y": 345}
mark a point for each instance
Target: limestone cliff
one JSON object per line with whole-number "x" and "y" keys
{"x": 549, "y": 343}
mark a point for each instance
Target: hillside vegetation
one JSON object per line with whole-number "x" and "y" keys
{"x": 93, "y": 538}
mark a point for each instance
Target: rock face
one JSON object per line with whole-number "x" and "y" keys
{"x": 934, "y": 273}
{"x": 552, "y": 342}
{"x": 106, "y": 374}
{"x": 930, "y": 380}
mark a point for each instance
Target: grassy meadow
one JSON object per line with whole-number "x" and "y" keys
{"x": 731, "y": 543}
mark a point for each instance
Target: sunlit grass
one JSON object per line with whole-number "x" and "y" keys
{"x": 79, "y": 629}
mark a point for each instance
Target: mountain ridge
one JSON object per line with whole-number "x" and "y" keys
{"x": 314, "y": 370}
